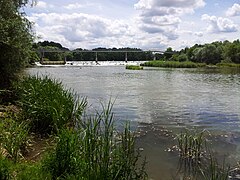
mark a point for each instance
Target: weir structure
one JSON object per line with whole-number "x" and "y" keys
{"x": 43, "y": 51}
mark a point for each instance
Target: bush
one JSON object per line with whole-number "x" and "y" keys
{"x": 47, "y": 105}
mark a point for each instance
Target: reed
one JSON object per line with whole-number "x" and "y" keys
{"x": 173, "y": 64}
{"x": 47, "y": 105}
{"x": 191, "y": 152}
{"x": 230, "y": 65}
{"x": 5, "y": 172}
{"x": 13, "y": 138}
{"x": 215, "y": 171}
{"x": 95, "y": 151}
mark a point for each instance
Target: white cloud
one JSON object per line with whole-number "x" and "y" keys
{"x": 198, "y": 34}
{"x": 41, "y": 4}
{"x": 219, "y": 24}
{"x": 234, "y": 10}
{"x": 90, "y": 31}
{"x": 74, "y": 6}
{"x": 163, "y": 17}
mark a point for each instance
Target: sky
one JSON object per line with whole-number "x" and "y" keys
{"x": 145, "y": 24}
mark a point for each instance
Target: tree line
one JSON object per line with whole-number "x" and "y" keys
{"x": 210, "y": 53}
{"x": 79, "y": 54}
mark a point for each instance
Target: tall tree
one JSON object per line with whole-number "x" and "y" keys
{"x": 15, "y": 40}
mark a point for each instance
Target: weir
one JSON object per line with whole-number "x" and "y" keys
{"x": 43, "y": 51}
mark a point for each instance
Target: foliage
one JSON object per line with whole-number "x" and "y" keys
{"x": 134, "y": 67}
{"x": 173, "y": 64}
{"x": 47, "y": 105}
{"x": 95, "y": 151}
{"x": 15, "y": 40}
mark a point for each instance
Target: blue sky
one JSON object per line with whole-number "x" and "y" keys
{"x": 146, "y": 24}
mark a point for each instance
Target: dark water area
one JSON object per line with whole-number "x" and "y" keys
{"x": 161, "y": 103}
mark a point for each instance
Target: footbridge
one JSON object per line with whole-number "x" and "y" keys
{"x": 43, "y": 51}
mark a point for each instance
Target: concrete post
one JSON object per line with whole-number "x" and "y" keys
{"x": 96, "y": 57}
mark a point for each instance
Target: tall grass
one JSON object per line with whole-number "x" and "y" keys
{"x": 134, "y": 67}
{"x": 95, "y": 151}
{"x": 197, "y": 160}
{"x": 173, "y": 64}
{"x": 215, "y": 171}
{"x": 47, "y": 105}
{"x": 13, "y": 137}
{"x": 191, "y": 150}
{"x": 231, "y": 65}
{"x": 5, "y": 172}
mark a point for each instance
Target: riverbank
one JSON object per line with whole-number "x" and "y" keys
{"x": 187, "y": 64}
{"x": 39, "y": 138}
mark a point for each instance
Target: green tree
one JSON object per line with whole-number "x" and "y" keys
{"x": 232, "y": 52}
{"x": 15, "y": 40}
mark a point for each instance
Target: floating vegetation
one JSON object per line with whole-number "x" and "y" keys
{"x": 134, "y": 67}
{"x": 173, "y": 64}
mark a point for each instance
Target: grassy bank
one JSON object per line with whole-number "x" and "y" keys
{"x": 173, "y": 64}
{"x": 230, "y": 65}
{"x": 79, "y": 146}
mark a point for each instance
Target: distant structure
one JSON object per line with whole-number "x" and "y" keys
{"x": 43, "y": 51}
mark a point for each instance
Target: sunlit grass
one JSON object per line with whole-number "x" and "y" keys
{"x": 173, "y": 64}
{"x": 134, "y": 67}
{"x": 47, "y": 105}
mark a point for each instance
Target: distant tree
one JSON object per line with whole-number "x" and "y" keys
{"x": 15, "y": 40}
{"x": 232, "y": 52}
{"x": 168, "y": 53}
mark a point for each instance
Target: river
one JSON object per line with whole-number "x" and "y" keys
{"x": 160, "y": 103}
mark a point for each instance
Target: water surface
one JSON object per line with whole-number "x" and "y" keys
{"x": 162, "y": 102}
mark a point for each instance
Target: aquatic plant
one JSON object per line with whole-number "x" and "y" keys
{"x": 47, "y": 105}
{"x": 214, "y": 171}
{"x": 230, "y": 65}
{"x": 95, "y": 151}
{"x": 134, "y": 67}
{"x": 173, "y": 64}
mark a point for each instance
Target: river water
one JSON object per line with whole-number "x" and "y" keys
{"x": 162, "y": 102}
